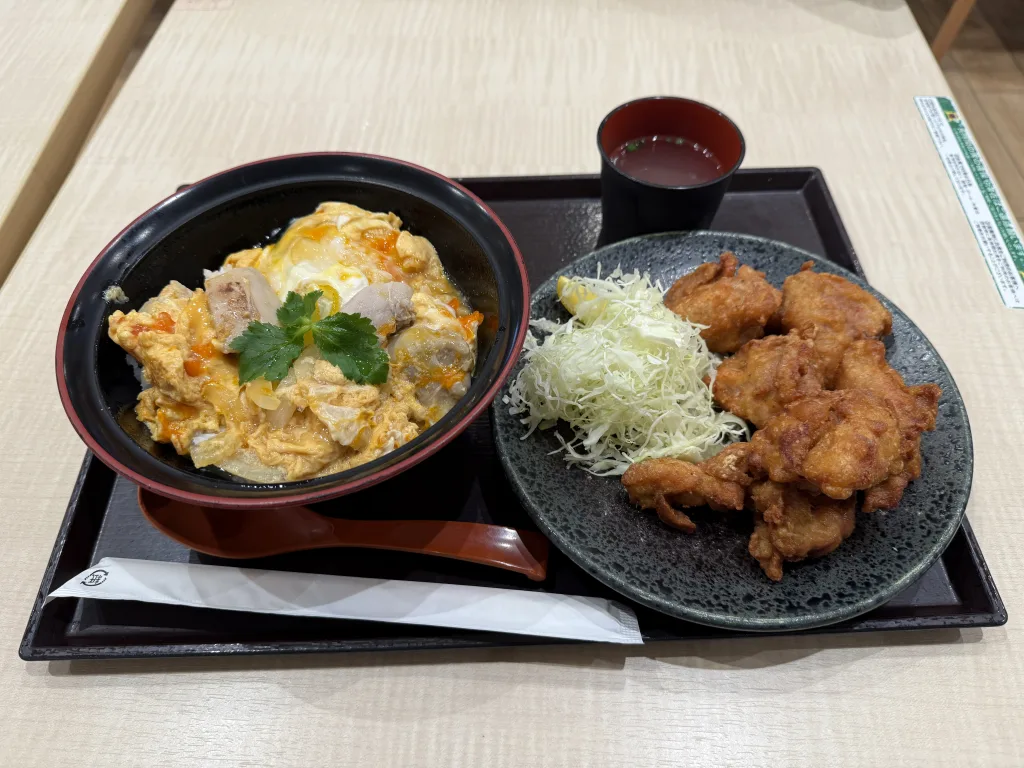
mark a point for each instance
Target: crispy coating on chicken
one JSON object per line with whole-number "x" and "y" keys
{"x": 731, "y": 464}
{"x": 666, "y": 485}
{"x": 864, "y": 367}
{"x": 792, "y": 525}
{"x": 734, "y": 301}
{"x": 887, "y": 494}
{"x": 815, "y": 448}
{"x": 766, "y": 375}
{"x": 832, "y": 312}
{"x": 833, "y": 442}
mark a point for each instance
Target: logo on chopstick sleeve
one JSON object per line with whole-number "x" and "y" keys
{"x": 95, "y": 578}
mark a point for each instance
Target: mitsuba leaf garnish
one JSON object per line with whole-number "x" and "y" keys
{"x": 265, "y": 350}
{"x": 298, "y": 309}
{"x": 348, "y": 341}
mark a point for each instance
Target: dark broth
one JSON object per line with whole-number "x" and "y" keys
{"x": 672, "y": 161}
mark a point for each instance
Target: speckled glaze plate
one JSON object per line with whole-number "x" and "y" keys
{"x": 708, "y": 577}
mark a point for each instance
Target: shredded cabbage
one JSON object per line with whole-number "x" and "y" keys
{"x": 626, "y": 374}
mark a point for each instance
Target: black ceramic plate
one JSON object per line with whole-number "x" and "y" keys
{"x": 708, "y": 577}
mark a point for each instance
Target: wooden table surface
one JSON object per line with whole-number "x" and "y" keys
{"x": 58, "y": 59}
{"x": 491, "y": 87}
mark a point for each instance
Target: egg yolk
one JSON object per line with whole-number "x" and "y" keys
{"x": 200, "y": 354}
{"x": 164, "y": 323}
{"x": 382, "y": 240}
{"x": 330, "y": 300}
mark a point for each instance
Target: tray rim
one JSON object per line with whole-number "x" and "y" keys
{"x": 811, "y": 175}
{"x": 30, "y": 651}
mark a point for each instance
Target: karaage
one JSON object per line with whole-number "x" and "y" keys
{"x": 734, "y": 302}
{"x": 792, "y": 525}
{"x": 765, "y": 375}
{"x": 864, "y": 367}
{"x": 887, "y": 494}
{"x": 835, "y": 443}
{"x": 832, "y": 312}
{"x": 665, "y": 485}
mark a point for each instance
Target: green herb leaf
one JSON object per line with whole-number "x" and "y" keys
{"x": 265, "y": 350}
{"x": 298, "y": 310}
{"x": 350, "y": 342}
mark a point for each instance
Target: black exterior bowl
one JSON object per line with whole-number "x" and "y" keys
{"x": 631, "y": 206}
{"x": 244, "y": 207}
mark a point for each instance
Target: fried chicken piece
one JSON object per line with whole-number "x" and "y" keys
{"x": 864, "y": 367}
{"x": 792, "y": 525}
{"x": 765, "y": 375}
{"x": 762, "y": 550}
{"x": 664, "y": 485}
{"x": 731, "y": 464}
{"x": 887, "y": 494}
{"x": 734, "y": 301}
{"x": 832, "y": 442}
{"x": 832, "y": 312}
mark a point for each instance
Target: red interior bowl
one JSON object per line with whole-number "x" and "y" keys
{"x": 632, "y": 206}
{"x": 673, "y": 116}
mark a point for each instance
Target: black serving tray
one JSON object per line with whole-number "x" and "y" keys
{"x": 554, "y": 219}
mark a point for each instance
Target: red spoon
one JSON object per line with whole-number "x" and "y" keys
{"x": 250, "y": 534}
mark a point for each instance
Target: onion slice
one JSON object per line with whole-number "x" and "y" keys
{"x": 215, "y": 449}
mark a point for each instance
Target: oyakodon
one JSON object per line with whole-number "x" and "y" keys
{"x": 314, "y": 420}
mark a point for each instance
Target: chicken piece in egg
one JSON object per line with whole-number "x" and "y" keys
{"x": 314, "y": 421}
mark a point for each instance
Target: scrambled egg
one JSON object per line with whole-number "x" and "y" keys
{"x": 314, "y": 421}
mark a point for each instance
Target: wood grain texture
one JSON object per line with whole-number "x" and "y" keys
{"x": 58, "y": 60}
{"x": 489, "y": 87}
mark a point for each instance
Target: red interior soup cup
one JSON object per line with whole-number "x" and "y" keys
{"x": 666, "y": 163}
